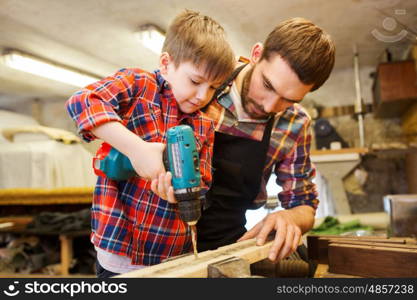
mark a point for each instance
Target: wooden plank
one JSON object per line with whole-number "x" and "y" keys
{"x": 317, "y": 245}
{"x": 189, "y": 266}
{"x": 335, "y": 111}
{"x": 340, "y": 151}
{"x": 32, "y": 196}
{"x": 229, "y": 268}
{"x": 373, "y": 244}
{"x": 66, "y": 254}
{"x": 322, "y": 271}
{"x": 18, "y": 223}
{"x": 369, "y": 261}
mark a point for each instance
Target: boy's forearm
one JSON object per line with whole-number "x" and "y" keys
{"x": 119, "y": 137}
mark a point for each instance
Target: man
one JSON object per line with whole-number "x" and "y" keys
{"x": 262, "y": 128}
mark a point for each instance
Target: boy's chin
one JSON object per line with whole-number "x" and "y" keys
{"x": 188, "y": 109}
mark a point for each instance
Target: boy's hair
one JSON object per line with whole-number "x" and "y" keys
{"x": 199, "y": 39}
{"x": 308, "y": 50}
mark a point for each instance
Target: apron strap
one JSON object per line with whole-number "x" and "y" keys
{"x": 221, "y": 90}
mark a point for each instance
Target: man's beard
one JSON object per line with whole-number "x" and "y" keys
{"x": 246, "y": 100}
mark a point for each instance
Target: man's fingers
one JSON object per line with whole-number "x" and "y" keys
{"x": 268, "y": 226}
{"x": 287, "y": 245}
{"x": 281, "y": 233}
{"x": 297, "y": 237}
{"x": 251, "y": 233}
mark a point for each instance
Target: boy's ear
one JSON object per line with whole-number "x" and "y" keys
{"x": 164, "y": 61}
{"x": 256, "y": 53}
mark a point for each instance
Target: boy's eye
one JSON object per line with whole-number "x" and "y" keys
{"x": 267, "y": 86}
{"x": 194, "y": 82}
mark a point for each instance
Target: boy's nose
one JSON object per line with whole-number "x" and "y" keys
{"x": 202, "y": 94}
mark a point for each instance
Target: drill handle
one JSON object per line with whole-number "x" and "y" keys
{"x": 165, "y": 159}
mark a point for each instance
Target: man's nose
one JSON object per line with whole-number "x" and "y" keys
{"x": 270, "y": 104}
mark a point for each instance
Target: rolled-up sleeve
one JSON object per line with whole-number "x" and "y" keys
{"x": 296, "y": 172}
{"x": 103, "y": 101}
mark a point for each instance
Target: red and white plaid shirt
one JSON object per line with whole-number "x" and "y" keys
{"x": 127, "y": 217}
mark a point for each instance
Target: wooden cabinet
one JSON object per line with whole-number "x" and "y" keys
{"x": 395, "y": 88}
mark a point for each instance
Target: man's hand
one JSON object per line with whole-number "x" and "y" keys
{"x": 289, "y": 226}
{"x": 163, "y": 188}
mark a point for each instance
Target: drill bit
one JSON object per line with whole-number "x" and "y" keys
{"x": 194, "y": 239}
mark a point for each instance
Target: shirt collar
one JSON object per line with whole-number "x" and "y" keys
{"x": 233, "y": 102}
{"x": 161, "y": 82}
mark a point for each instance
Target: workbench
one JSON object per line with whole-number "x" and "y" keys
{"x": 18, "y": 206}
{"x": 65, "y": 239}
{"x": 363, "y": 256}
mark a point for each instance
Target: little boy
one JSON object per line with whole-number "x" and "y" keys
{"x": 132, "y": 223}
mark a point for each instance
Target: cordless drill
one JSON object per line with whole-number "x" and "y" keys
{"x": 180, "y": 158}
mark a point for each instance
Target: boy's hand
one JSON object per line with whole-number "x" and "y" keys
{"x": 163, "y": 188}
{"x": 147, "y": 159}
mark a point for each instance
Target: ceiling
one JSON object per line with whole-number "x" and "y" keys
{"x": 97, "y": 35}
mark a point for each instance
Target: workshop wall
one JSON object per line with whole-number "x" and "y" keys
{"x": 340, "y": 91}
{"x": 48, "y": 112}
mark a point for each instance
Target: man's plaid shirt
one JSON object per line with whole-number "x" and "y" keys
{"x": 288, "y": 153}
{"x": 127, "y": 217}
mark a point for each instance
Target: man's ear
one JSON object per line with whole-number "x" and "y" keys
{"x": 164, "y": 61}
{"x": 256, "y": 53}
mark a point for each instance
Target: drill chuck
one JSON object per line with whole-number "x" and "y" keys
{"x": 189, "y": 204}
{"x": 190, "y": 211}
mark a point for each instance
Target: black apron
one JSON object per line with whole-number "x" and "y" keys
{"x": 238, "y": 168}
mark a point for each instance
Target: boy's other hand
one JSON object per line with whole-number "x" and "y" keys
{"x": 163, "y": 188}
{"x": 147, "y": 160}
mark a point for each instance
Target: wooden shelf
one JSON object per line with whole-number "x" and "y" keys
{"x": 35, "y": 196}
{"x": 340, "y": 151}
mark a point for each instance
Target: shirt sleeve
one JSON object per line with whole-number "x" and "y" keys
{"x": 296, "y": 172}
{"x": 104, "y": 101}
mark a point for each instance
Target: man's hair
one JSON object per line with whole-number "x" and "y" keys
{"x": 199, "y": 39}
{"x": 308, "y": 50}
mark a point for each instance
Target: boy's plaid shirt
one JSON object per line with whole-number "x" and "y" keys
{"x": 288, "y": 153}
{"x": 127, "y": 217}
